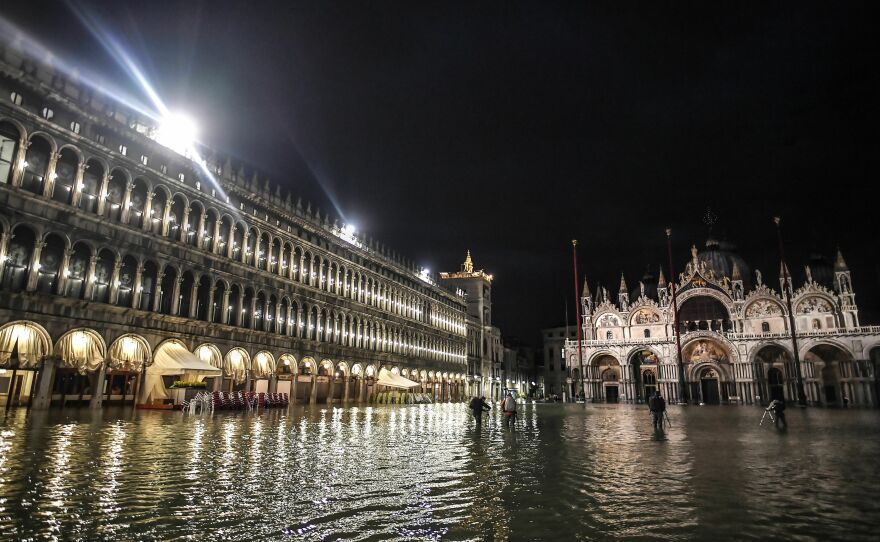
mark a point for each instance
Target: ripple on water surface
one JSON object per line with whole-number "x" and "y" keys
{"x": 425, "y": 473}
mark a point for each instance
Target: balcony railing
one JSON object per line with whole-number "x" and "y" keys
{"x": 733, "y": 336}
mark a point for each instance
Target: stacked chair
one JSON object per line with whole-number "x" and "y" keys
{"x": 239, "y": 400}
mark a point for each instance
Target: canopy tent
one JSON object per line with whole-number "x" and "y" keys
{"x": 235, "y": 365}
{"x": 387, "y": 378}
{"x": 129, "y": 354}
{"x": 263, "y": 365}
{"x": 172, "y": 358}
{"x": 80, "y": 350}
{"x": 26, "y": 342}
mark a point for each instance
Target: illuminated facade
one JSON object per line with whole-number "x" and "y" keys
{"x": 735, "y": 338}
{"x": 485, "y": 352}
{"x": 115, "y": 249}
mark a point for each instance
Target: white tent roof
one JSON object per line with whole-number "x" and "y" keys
{"x": 387, "y": 378}
{"x": 174, "y": 359}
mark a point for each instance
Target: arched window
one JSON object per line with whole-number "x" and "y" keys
{"x": 609, "y": 335}
{"x": 77, "y": 269}
{"x": 765, "y": 327}
{"x": 65, "y": 176}
{"x": 125, "y": 291}
{"x": 9, "y": 138}
{"x": 35, "y": 166}
{"x": 116, "y": 189}
{"x": 817, "y": 324}
{"x": 50, "y": 264}
{"x": 93, "y": 176}
{"x": 103, "y": 276}
{"x": 647, "y": 333}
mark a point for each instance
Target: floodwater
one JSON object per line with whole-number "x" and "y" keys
{"x": 422, "y": 472}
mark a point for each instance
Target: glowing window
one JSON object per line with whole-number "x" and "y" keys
{"x": 123, "y": 150}
{"x": 48, "y": 113}
{"x": 75, "y": 127}
{"x": 16, "y": 98}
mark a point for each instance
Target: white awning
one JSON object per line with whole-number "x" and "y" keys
{"x": 387, "y": 378}
{"x": 174, "y": 359}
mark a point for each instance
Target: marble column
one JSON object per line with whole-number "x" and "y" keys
{"x": 20, "y": 158}
{"x": 43, "y": 395}
{"x": 50, "y": 176}
{"x": 313, "y": 397}
{"x": 332, "y": 389}
{"x": 33, "y": 275}
{"x": 148, "y": 215}
{"x": 114, "y": 282}
{"x": 97, "y": 383}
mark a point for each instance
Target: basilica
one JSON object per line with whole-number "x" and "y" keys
{"x": 734, "y": 334}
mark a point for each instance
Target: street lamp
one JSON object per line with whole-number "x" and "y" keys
{"x": 801, "y": 394}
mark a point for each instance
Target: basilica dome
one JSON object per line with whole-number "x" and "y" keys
{"x": 721, "y": 257}
{"x": 821, "y": 270}
{"x": 650, "y": 282}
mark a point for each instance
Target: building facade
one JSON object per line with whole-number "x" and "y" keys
{"x": 555, "y": 377}
{"x": 735, "y": 336}
{"x": 484, "y": 347}
{"x": 115, "y": 250}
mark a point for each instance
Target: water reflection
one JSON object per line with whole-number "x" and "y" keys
{"x": 425, "y": 472}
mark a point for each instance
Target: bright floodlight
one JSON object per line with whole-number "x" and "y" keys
{"x": 349, "y": 229}
{"x": 177, "y": 132}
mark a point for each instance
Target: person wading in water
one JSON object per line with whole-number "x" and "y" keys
{"x": 478, "y": 406}
{"x": 508, "y": 406}
{"x": 657, "y": 406}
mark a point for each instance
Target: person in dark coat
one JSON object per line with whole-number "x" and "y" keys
{"x": 777, "y": 407}
{"x": 657, "y": 406}
{"x": 478, "y": 405}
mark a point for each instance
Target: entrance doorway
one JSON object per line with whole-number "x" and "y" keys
{"x": 774, "y": 379}
{"x": 709, "y": 387}
{"x": 650, "y": 381}
{"x": 611, "y": 394}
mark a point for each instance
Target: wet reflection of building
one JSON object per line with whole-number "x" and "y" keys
{"x": 116, "y": 252}
{"x": 735, "y": 337}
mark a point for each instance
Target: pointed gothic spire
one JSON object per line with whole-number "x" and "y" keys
{"x": 585, "y": 291}
{"x": 783, "y": 270}
{"x": 735, "y": 273}
{"x": 622, "y": 284}
{"x": 661, "y": 282}
{"x": 839, "y": 262}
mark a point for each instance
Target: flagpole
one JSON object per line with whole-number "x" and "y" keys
{"x": 682, "y": 386}
{"x": 577, "y": 312}
{"x": 786, "y": 287}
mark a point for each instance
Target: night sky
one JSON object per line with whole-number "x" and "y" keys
{"x": 509, "y": 129}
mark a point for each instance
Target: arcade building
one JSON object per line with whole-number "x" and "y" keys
{"x": 735, "y": 337}
{"x": 126, "y": 265}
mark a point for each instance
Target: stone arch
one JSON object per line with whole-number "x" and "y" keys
{"x": 129, "y": 352}
{"x": 40, "y": 148}
{"x": 82, "y": 349}
{"x": 707, "y": 310}
{"x": 308, "y": 366}
{"x": 210, "y": 354}
{"x": 263, "y": 364}
{"x": 19, "y": 258}
{"x": 64, "y": 182}
{"x": 235, "y": 364}
{"x": 29, "y": 341}
{"x": 287, "y": 364}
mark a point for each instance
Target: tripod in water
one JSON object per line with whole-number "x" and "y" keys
{"x": 766, "y": 413}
